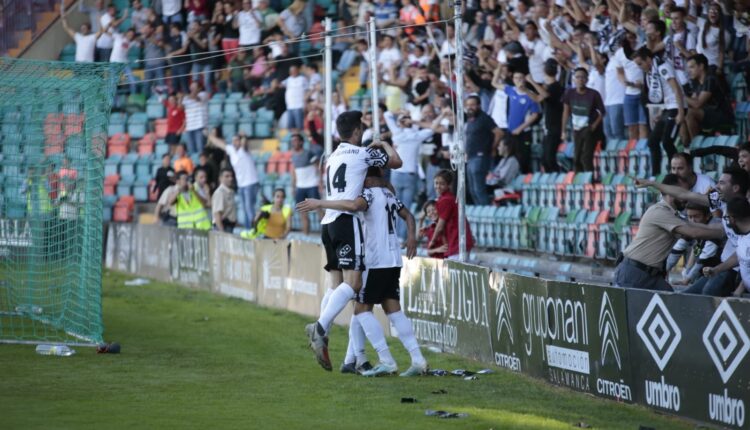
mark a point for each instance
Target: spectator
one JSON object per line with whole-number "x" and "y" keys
{"x": 206, "y": 163}
{"x": 94, "y": 12}
{"x": 196, "y": 117}
{"x": 431, "y": 216}
{"x": 305, "y": 176}
{"x": 273, "y": 221}
{"x": 614, "y": 98}
{"x": 189, "y": 205}
{"x": 481, "y": 136}
{"x": 432, "y": 149}
{"x": 166, "y": 211}
{"x": 223, "y": 206}
{"x": 231, "y": 36}
{"x": 84, "y": 39}
{"x": 165, "y": 175}
{"x": 702, "y": 253}
{"x": 586, "y": 109}
{"x": 386, "y": 14}
{"x": 171, "y": 11}
{"x": 407, "y": 141}
{"x": 314, "y": 127}
{"x": 177, "y": 47}
{"x": 550, "y": 94}
{"x": 153, "y": 58}
{"x": 198, "y": 48}
{"x": 175, "y": 120}
{"x": 523, "y": 111}
{"x": 249, "y": 22}
{"x": 709, "y": 108}
{"x": 712, "y": 38}
{"x": 506, "y": 169}
{"x": 201, "y": 186}
{"x": 105, "y": 43}
{"x": 182, "y": 162}
{"x": 296, "y": 85}
{"x": 641, "y": 265}
{"x": 738, "y": 214}
{"x": 197, "y": 10}
{"x": 662, "y": 88}
{"x": 244, "y": 170}
{"x": 631, "y": 76}
{"x": 679, "y": 44}
{"x": 138, "y": 16}
{"x": 447, "y": 224}
{"x": 681, "y": 165}
{"x": 237, "y": 67}
{"x": 120, "y": 48}
{"x": 292, "y": 21}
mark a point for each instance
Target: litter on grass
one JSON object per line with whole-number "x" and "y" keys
{"x": 445, "y": 414}
{"x": 137, "y": 282}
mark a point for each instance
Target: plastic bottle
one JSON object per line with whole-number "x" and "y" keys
{"x": 61, "y": 350}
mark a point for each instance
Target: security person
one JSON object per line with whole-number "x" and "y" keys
{"x": 642, "y": 264}
{"x": 191, "y": 207}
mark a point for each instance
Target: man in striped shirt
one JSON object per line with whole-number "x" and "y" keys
{"x": 196, "y": 118}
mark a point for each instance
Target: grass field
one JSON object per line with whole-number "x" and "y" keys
{"x": 191, "y": 359}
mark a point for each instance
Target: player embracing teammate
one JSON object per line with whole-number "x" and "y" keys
{"x": 350, "y": 251}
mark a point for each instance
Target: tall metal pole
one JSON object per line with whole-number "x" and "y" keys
{"x": 458, "y": 133}
{"x": 374, "y": 81}
{"x": 328, "y": 138}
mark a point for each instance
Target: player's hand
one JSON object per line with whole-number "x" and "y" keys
{"x": 709, "y": 271}
{"x": 411, "y": 247}
{"x": 308, "y": 205}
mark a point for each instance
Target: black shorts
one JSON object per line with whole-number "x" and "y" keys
{"x": 379, "y": 285}
{"x": 343, "y": 241}
{"x": 172, "y": 138}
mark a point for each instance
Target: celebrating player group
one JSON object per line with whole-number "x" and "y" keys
{"x": 363, "y": 252}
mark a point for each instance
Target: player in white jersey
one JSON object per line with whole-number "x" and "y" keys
{"x": 738, "y": 218}
{"x": 733, "y": 182}
{"x": 381, "y": 278}
{"x": 345, "y": 173}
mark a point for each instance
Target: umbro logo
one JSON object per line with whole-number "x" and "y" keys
{"x": 659, "y": 332}
{"x": 726, "y": 341}
{"x": 608, "y": 331}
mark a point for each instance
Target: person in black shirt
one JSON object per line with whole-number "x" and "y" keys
{"x": 198, "y": 48}
{"x": 481, "y": 136}
{"x": 177, "y": 46}
{"x": 708, "y": 104}
{"x": 164, "y": 175}
{"x": 550, "y": 95}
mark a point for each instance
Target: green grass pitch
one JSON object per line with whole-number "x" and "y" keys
{"x": 192, "y": 359}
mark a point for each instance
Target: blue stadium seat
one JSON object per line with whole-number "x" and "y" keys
{"x": 112, "y": 165}
{"x": 127, "y": 165}
{"x": 137, "y": 125}
{"x": 155, "y": 109}
{"x": 125, "y": 186}
{"x": 143, "y": 165}
{"x": 140, "y": 188}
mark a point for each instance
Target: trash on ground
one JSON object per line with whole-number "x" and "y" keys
{"x": 137, "y": 282}
{"x": 408, "y": 400}
{"x": 445, "y": 414}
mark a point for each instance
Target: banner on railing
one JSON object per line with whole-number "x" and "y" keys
{"x": 305, "y": 278}
{"x": 189, "y": 258}
{"x": 152, "y": 251}
{"x": 272, "y": 263}
{"x": 689, "y": 355}
{"x": 233, "y": 268}
{"x": 120, "y": 246}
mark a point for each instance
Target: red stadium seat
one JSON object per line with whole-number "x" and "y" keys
{"x": 562, "y": 190}
{"x": 54, "y": 144}
{"x": 273, "y": 163}
{"x": 110, "y": 185}
{"x": 160, "y": 128}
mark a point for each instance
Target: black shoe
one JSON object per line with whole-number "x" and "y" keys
{"x": 349, "y": 368}
{"x": 364, "y": 367}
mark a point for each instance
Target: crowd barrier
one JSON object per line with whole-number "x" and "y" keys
{"x": 685, "y": 355}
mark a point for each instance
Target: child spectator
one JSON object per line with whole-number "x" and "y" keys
{"x": 447, "y": 211}
{"x": 183, "y": 163}
{"x": 430, "y": 215}
{"x": 175, "y": 120}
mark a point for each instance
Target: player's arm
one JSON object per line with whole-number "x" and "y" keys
{"x": 674, "y": 191}
{"x": 411, "y": 228}
{"x": 394, "y": 161}
{"x": 309, "y": 205}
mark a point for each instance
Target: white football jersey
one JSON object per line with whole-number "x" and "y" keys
{"x": 382, "y": 246}
{"x": 743, "y": 256}
{"x": 345, "y": 173}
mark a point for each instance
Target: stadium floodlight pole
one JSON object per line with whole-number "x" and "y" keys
{"x": 328, "y": 139}
{"x": 374, "y": 82}
{"x": 458, "y": 132}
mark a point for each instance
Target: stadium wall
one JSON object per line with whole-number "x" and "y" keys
{"x": 680, "y": 354}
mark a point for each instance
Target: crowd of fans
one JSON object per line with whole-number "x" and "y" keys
{"x": 582, "y": 71}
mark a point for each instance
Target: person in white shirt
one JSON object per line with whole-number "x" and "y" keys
{"x": 631, "y": 76}
{"x": 679, "y": 44}
{"x": 244, "y": 170}
{"x": 738, "y": 214}
{"x": 120, "y": 48}
{"x": 713, "y": 37}
{"x": 296, "y": 86}
{"x": 662, "y": 88}
{"x": 250, "y": 23}
{"x": 104, "y": 43}
{"x": 170, "y": 11}
{"x": 407, "y": 141}
{"x": 196, "y": 118}
{"x": 84, "y": 39}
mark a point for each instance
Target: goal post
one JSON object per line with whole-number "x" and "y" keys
{"x": 53, "y": 135}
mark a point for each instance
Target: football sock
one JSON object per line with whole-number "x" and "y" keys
{"x": 357, "y": 340}
{"x": 406, "y": 335}
{"x": 375, "y": 335}
{"x": 324, "y": 302}
{"x": 350, "y": 356}
{"x": 336, "y": 303}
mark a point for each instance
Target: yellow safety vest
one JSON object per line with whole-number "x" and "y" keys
{"x": 39, "y": 203}
{"x": 191, "y": 214}
{"x": 260, "y": 229}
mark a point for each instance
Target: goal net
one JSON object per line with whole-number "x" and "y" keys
{"x": 53, "y": 132}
